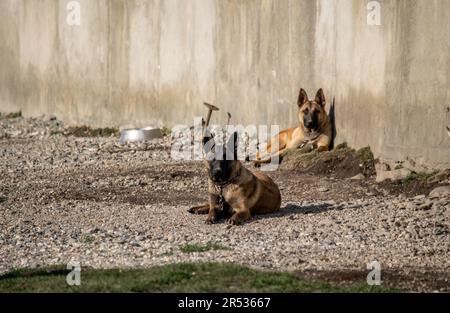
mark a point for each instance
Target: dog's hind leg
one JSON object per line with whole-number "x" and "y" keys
{"x": 278, "y": 154}
{"x": 200, "y": 209}
{"x": 256, "y": 163}
{"x": 278, "y": 147}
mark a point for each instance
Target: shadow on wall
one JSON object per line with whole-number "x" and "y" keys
{"x": 448, "y": 121}
{"x": 332, "y": 116}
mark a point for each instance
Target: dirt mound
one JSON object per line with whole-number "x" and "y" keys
{"x": 86, "y": 131}
{"x": 342, "y": 162}
{"x": 413, "y": 185}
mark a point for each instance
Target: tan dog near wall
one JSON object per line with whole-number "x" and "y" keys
{"x": 313, "y": 132}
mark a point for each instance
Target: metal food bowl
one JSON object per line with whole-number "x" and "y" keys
{"x": 140, "y": 134}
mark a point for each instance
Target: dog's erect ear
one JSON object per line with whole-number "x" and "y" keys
{"x": 320, "y": 97}
{"x": 232, "y": 146}
{"x": 302, "y": 97}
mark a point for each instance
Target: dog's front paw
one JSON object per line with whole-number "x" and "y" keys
{"x": 234, "y": 220}
{"x": 306, "y": 149}
{"x": 202, "y": 209}
{"x": 210, "y": 220}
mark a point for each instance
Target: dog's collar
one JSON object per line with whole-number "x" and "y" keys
{"x": 219, "y": 188}
{"x": 313, "y": 135}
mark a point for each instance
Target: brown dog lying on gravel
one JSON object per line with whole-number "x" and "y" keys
{"x": 312, "y": 133}
{"x": 235, "y": 191}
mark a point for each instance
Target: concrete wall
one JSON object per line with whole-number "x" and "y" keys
{"x": 136, "y": 62}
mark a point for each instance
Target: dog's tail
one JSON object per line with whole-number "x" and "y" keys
{"x": 332, "y": 116}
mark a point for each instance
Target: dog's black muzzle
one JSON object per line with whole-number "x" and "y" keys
{"x": 310, "y": 122}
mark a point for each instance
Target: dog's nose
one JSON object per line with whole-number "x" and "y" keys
{"x": 217, "y": 172}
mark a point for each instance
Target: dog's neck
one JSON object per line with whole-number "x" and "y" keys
{"x": 311, "y": 133}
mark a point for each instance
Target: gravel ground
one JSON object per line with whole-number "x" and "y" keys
{"x": 105, "y": 204}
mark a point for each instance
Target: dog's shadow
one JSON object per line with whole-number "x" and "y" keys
{"x": 293, "y": 209}
{"x": 288, "y": 210}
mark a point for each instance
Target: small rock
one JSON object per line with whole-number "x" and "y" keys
{"x": 440, "y": 192}
{"x": 416, "y": 168}
{"x": 49, "y": 117}
{"x": 426, "y": 206}
{"x": 439, "y": 177}
{"x": 419, "y": 197}
{"x": 381, "y": 167}
{"x": 323, "y": 189}
{"x": 394, "y": 175}
{"x": 264, "y": 264}
{"x": 411, "y": 206}
{"x": 358, "y": 177}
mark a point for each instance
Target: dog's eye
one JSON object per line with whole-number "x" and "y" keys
{"x": 306, "y": 111}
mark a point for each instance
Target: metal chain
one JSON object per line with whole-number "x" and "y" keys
{"x": 221, "y": 197}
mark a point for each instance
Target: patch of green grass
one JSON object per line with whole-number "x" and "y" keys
{"x": 14, "y": 115}
{"x": 86, "y": 131}
{"x": 189, "y": 248}
{"x": 366, "y": 155}
{"x": 367, "y": 159}
{"x": 56, "y": 133}
{"x": 419, "y": 177}
{"x": 108, "y": 131}
{"x": 343, "y": 145}
{"x": 180, "y": 277}
{"x": 166, "y": 131}
{"x": 88, "y": 239}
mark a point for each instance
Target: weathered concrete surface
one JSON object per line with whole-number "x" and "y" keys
{"x": 139, "y": 62}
